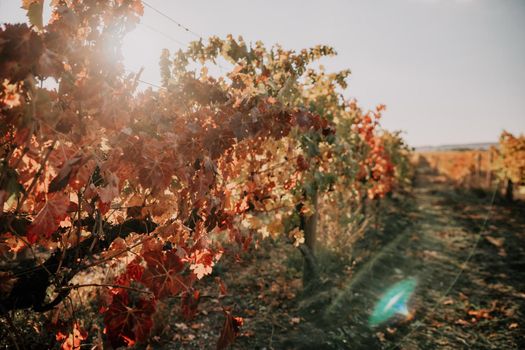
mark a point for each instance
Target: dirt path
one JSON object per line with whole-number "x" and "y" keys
{"x": 469, "y": 254}
{"x": 468, "y": 259}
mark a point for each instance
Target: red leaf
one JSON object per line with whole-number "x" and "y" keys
{"x": 133, "y": 272}
{"x": 103, "y": 207}
{"x": 189, "y": 304}
{"x": 49, "y": 217}
{"x": 230, "y": 330}
{"x": 223, "y": 290}
{"x": 128, "y": 319}
{"x": 162, "y": 274}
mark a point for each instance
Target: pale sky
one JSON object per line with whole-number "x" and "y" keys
{"x": 449, "y": 71}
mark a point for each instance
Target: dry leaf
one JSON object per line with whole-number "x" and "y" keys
{"x": 295, "y": 320}
{"x": 462, "y": 322}
{"x": 497, "y": 242}
{"x": 448, "y": 301}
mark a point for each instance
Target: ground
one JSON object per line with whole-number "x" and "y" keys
{"x": 465, "y": 250}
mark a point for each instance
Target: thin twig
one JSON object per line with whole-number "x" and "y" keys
{"x": 126, "y": 250}
{"x": 77, "y": 286}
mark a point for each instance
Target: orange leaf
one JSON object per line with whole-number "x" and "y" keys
{"x": 74, "y": 340}
{"x": 69, "y": 168}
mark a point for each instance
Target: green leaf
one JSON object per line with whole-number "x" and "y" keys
{"x": 34, "y": 13}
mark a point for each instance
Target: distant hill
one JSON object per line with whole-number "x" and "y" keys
{"x": 466, "y": 146}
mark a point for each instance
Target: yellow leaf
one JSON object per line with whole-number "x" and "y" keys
{"x": 297, "y": 236}
{"x": 275, "y": 227}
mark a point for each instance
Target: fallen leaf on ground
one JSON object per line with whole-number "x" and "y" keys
{"x": 462, "y": 322}
{"x": 497, "y": 242}
{"x": 481, "y": 313}
{"x": 295, "y": 320}
{"x": 380, "y": 336}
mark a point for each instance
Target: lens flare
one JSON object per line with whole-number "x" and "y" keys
{"x": 393, "y": 302}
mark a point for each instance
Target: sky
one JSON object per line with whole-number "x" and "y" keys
{"x": 449, "y": 71}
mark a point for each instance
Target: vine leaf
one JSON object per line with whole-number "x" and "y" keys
{"x": 189, "y": 304}
{"x": 128, "y": 319}
{"x": 72, "y": 340}
{"x": 62, "y": 179}
{"x": 230, "y": 330}
{"x": 162, "y": 274}
{"x": 34, "y": 12}
{"x": 48, "y": 218}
